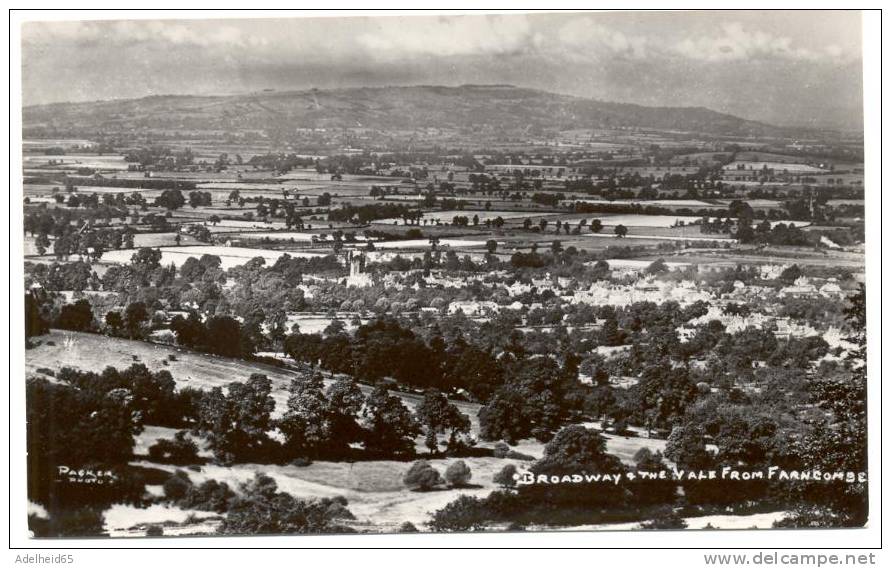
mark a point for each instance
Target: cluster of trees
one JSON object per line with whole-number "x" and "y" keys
{"x": 780, "y": 234}
{"x": 637, "y": 208}
{"x": 362, "y": 214}
{"x": 747, "y": 434}
{"x": 80, "y": 437}
{"x": 150, "y": 396}
{"x": 574, "y": 450}
{"x": 321, "y": 423}
{"x": 170, "y": 199}
{"x": 384, "y": 348}
{"x": 537, "y": 397}
{"x": 73, "y": 234}
{"x": 220, "y": 335}
{"x": 200, "y": 199}
{"x": 280, "y": 163}
{"x": 140, "y": 183}
{"x": 162, "y": 156}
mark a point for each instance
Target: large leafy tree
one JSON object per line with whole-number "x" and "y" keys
{"x": 77, "y": 316}
{"x": 439, "y": 416}
{"x": 345, "y": 402}
{"x": 391, "y": 426}
{"x": 576, "y": 450}
{"x": 305, "y": 424}
{"x": 530, "y": 403}
{"x": 236, "y": 423}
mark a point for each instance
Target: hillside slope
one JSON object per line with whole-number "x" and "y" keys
{"x": 469, "y": 107}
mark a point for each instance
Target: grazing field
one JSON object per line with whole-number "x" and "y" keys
{"x": 229, "y": 256}
{"x": 73, "y": 161}
{"x": 44, "y": 189}
{"x": 163, "y": 240}
{"x": 667, "y": 203}
{"x": 701, "y": 238}
{"x": 755, "y": 166}
{"x": 230, "y": 225}
{"x": 90, "y": 352}
{"x": 425, "y": 243}
{"x": 376, "y": 494}
{"x": 755, "y": 203}
{"x": 634, "y": 220}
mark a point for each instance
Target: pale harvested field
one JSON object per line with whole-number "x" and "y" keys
{"x": 229, "y": 256}
{"x": 374, "y": 489}
{"x": 447, "y": 216}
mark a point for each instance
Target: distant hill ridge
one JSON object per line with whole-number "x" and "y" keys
{"x": 504, "y": 107}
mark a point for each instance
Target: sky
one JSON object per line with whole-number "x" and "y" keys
{"x": 801, "y": 68}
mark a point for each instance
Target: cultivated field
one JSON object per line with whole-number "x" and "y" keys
{"x": 229, "y": 256}
{"x": 446, "y": 217}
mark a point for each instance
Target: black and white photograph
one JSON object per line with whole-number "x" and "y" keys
{"x": 514, "y": 272}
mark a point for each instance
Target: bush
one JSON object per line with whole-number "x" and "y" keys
{"x": 179, "y": 450}
{"x": 422, "y": 476}
{"x": 209, "y": 496}
{"x": 177, "y": 485}
{"x": 458, "y": 474}
{"x": 505, "y": 477}
{"x": 262, "y": 509}
{"x": 154, "y": 530}
{"x": 501, "y": 450}
{"x": 516, "y": 527}
{"x": 463, "y": 514}
{"x": 408, "y": 527}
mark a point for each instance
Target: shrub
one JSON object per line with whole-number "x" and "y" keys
{"x": 262, "y": 509}
{"x": 505, "y": 477}
{"x": 463, "y": 514}
{"x": 209, "y": 496}
{"x": 458, "y": 474}
{"x": 422, "y": 476}
{"x": 154, "y": 530}
{"x": 177, "y": 485}
{"x": 501, "y": 450}
{"x": 179, "y": 450}
{"x": 516, "y": 527}
{"x": 408, "y": 527}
